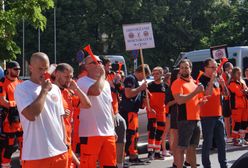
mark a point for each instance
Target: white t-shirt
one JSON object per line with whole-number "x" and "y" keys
{"x": 96, "y": 120}
{"x": 43, "y": 137}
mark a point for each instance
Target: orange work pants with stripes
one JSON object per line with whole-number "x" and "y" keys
{"x": 156, "y": 128}
{"x": 132, "y": 133}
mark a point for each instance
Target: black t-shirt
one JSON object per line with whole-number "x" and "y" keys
{"x": 130, "y": 104}
{"x": 169, "y": 97}
{"x": 246, "y": 81}
{"x": 153, "y": 87}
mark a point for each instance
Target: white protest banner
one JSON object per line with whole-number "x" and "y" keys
{"x": 218, "y": 52}
{"x": 138, "y": 36}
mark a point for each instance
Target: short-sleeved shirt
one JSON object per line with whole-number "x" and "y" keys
{"x": 96, "y": 120}
{"x": 7, "y": 88}
{"x": 114, "y": 92}
{"x": 169, "y": 97}
{"x": 131, "y": 104}
{"x": 157, "y": 96}
{"x": 189, "y": 110}
{"x": 237, "y": 99}
{"x": 43, "y": 137}
{"x": 212, "y": 108}
{"x": 68, "y": 102}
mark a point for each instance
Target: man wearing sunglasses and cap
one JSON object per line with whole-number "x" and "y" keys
{"x": 10, "y": 122}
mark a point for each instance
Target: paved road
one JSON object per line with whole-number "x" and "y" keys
{"x": 233, "y": 153}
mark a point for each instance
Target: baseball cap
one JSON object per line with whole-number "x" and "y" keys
{"x": 12, "y": 64}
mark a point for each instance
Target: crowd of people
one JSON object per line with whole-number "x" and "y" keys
{"x": 59, "y": 121}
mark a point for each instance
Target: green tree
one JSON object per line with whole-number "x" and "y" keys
{"x": 13, "y": 13}
{"x": 178, "y": 26}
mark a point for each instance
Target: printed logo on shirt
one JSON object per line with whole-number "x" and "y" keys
{"x": 130, "y": 84}
{"x": 54, "y": 98}
{"x": 163, "y": 89}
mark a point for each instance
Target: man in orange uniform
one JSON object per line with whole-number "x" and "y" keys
{"x": 11, "y": 124}
{"x": 68, "y": 87}
{"x": 238, "y": 90}
{"x": 186, "y": 94}
{"x": 156, "y": 117}
{"x": 211, "y": 113}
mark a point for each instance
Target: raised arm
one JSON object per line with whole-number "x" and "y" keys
{"x": 84, "y": 100}
{"x": 181, "y": 99}
{"x": 36, "y": 107}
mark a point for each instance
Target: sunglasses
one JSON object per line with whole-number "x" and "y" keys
{"x": 93, "y": 62}
{"x": 17, "y": 69}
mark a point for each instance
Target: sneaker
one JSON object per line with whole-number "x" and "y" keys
{"x": 237, "y": 142}
{"x": 186, "y": 164}
{"x": 166, "y": 153}
{"x": 244, "y": 142}
{"x": 150, "y": 155}
{"x": 229, "y": 140}
{"x": 126, "y": 165}
{"x": 136, "y": 161}
{"x": 158, "y": 156}
{"x": 175, "y": 166}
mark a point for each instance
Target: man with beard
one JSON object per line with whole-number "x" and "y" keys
{"x": 72, "y": 98}
{"x": 186, "y": 93}
{"x": 11, "y": 126}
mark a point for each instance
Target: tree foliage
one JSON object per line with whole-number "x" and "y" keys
{"x": 13, "y": 13}
{"x": 178, "y": 26}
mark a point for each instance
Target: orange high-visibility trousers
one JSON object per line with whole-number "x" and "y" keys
{"x": 98, "y": 148}
{"x": 59, "y": 161}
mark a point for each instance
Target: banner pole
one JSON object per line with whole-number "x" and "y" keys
{"x": 144, "y": 74}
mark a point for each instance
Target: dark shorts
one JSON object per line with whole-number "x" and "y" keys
{"x": 173, "y": 120}
{"x": 226, "y": 110}
{"x": 188, "y": 133}
{"x": 120, "y": 128}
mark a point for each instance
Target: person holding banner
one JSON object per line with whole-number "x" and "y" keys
{"x": 96, "y": 128}
{"x": 211, "y": 113}
{"x": 129, "y": 107}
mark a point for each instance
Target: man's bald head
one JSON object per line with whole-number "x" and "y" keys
{"x": 38, "y": 56}
{"x": 89, "y": 59}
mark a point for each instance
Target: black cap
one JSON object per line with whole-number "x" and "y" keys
{"x": 12, "y": 64}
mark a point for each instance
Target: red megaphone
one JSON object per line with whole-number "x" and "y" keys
{"x": 222, "y": 62}
{"x": 119, "y": 68}
{"x": 89, "y": 51}
{"x": 199, "y": 75}
{"x": 46, "y": 76}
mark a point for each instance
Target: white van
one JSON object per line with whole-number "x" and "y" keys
{"x": 115, "y": 59}
{"x": 238, "y": 56}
